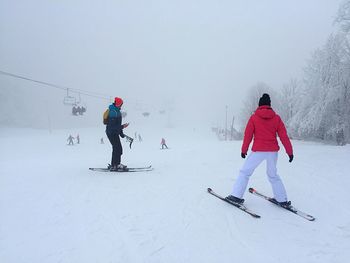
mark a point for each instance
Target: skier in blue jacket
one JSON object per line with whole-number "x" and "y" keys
{"x": 113, "y": 119}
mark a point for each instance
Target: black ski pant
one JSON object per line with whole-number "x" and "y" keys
{"x": 113, "y": 137}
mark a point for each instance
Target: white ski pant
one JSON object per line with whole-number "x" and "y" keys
{"x": 253, "y": 160}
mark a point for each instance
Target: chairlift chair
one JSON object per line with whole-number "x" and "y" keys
{"x": 69, "y": 100}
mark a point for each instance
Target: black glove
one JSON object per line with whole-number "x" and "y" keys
{"x": 243, "y": 155}
{"x": 291, "y": 157}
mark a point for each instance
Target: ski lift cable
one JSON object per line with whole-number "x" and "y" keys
{"x": 33, "y": 80}
{"x": 91, "y": 93}
{"x": 79, "y": 91}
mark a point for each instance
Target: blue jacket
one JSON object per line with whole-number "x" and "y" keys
{"x": 114, "y": 124}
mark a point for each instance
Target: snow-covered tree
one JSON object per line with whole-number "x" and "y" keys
{"x": 318, "y": 107}
{"x": 343, "y": 16}
{"x": 323, "y": 111}
{"x": 288, "y": 99}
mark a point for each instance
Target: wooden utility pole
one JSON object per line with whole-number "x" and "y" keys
{"x": 233, "y": 120}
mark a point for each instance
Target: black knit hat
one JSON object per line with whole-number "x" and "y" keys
{"x": 265, "y": 100}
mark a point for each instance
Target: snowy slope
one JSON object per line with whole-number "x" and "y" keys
{"x": 53, "y": 209}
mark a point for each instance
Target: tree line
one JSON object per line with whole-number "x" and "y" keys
{"x": 317, "y": 106}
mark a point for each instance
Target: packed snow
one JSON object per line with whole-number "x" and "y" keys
{"x": 54, "y": 209}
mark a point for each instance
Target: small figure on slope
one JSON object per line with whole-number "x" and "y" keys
{"x": 112, "y": 117}
{"x": 70, "y": 140}
{"x": 78, "y": 139}
{"x": 263, "y": 126}
{"x": 163, "y": 144}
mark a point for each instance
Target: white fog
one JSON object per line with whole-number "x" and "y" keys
{"x": 198, "y": 55}
{"x": 198, "y": 93}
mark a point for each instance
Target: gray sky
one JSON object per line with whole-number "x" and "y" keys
{"x": 201, "y": 55}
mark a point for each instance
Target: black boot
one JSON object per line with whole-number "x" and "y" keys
{"x": 234, "y": 199}
{"x": 122, "y": 167}
{"x": 284, "y": 204}
{"x": 112, "y": 167}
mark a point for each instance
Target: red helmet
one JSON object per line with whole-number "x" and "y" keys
{"x": 118, "y": 102}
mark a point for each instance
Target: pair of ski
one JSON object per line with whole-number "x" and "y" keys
{"x": 126, "y": 170}
{"x": 272, "y": 200}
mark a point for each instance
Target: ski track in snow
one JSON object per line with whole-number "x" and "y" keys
{"x": 56, "y": 210}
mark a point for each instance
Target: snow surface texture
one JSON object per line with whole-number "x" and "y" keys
{"x": 53, "y": 209}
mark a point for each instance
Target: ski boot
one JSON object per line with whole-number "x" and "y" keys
{"x": 285, "y": 204}
{"x": 121, "y": 167}
{"x": 234, "y": 199}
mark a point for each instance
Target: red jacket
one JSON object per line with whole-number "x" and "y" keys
{"x": 265, "y": 125}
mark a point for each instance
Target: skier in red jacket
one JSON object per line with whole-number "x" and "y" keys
{"x": 264, "y": 126}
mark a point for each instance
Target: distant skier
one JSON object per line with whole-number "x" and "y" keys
{"x": 263, "y": 126}
{"x": 70, "y": 140}
{"x": 113, "y": 119}
{"x": 101, "y": 141}
{"x": 163, "y": 144}
{"x": 78, "y": 139}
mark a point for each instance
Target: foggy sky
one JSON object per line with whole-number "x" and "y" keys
{"x": 201, "y": 55}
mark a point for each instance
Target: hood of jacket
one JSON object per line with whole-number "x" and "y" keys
{"x": 113, "y": 107}
{"x": 114, "y": 111}
{"x": 265, "y": 112}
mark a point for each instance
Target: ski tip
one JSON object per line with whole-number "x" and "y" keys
{"x": 311, "y": 218}
{"x": 209, "y": 189}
